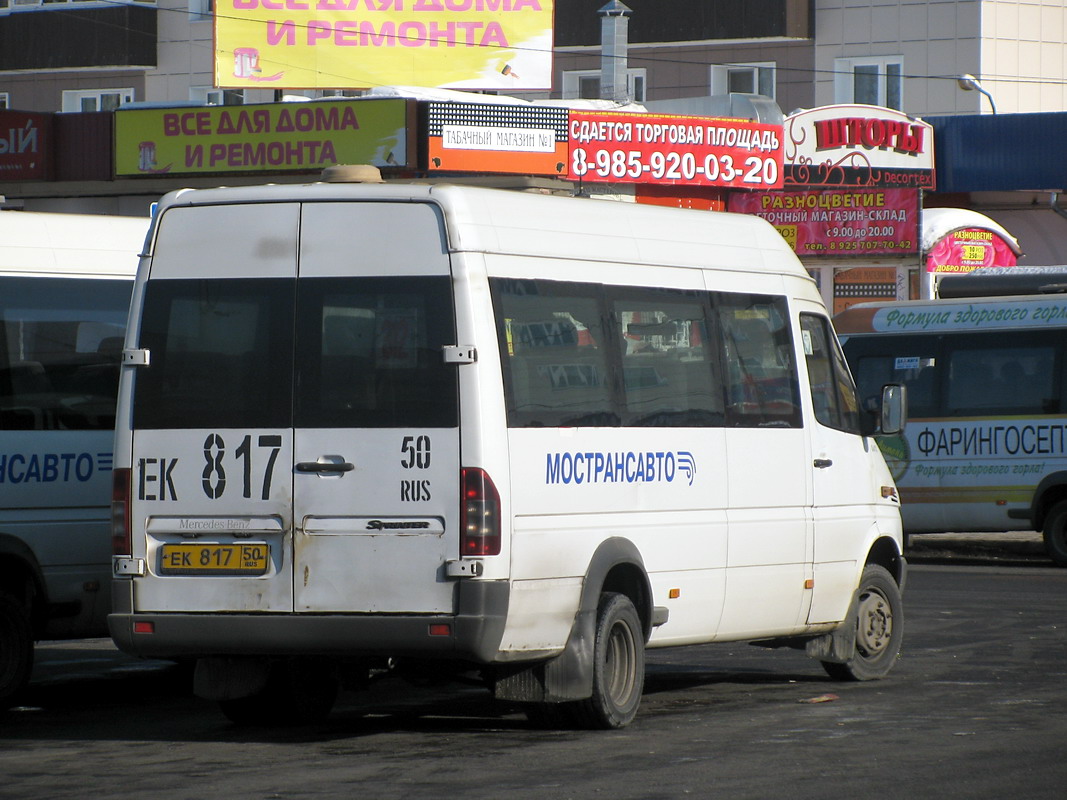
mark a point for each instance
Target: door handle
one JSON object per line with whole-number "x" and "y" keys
{"x": 823, "y": 463}
{"x": 320, "y": 466}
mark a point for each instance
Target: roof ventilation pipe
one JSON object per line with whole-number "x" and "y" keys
{"x": 614, "y": 39}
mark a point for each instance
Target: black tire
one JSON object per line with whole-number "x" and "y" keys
{"x": 1055, "y": 534}
{"x": 16, "y": 650}
{"x": 618, "y": 666}
{"x": 879, "y": 620}
{"x": 298, "y": 692}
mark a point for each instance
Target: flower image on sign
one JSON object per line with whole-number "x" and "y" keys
{"x": 968, "y": 249}
{"x": 356, "y": 44}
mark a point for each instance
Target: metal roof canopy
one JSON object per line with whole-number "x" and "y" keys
{"x": 1000, "y": 152}
{"x": 1001, "y": 281}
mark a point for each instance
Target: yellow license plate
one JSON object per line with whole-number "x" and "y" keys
{"x": 214, "y": 559}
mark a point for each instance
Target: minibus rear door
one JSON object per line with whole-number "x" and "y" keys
{"x": 376, "y": 439}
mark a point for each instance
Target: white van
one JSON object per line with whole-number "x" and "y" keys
{"x": 987, "y": 393}
{"x": 366, "y": 425}
{"x": 65, "y": 286}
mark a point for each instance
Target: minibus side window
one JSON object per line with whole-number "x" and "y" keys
{"x": 556, "y": 354}
{"x": 670, "y": 367}
{"x": 1005, "y": 373}
{"x": 221, "y": 354}
{"x": 759, "y": 368}
{"x": 911, "y": 360}
{"x": 60, "y": 347}
{"x": 833, "y": 394}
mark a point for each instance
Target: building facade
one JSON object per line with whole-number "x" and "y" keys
{"x": 71, "y": 58}
{"x": 86, "y": 55}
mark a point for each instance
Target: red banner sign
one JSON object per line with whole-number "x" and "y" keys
{"x": 694, "y": 151}
{"x": 861, "y": 222}
{"x": 25, "y": 144}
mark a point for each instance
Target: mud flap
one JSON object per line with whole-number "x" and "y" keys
{"x": 568, "y": 676}
{"x": 838, "y": 646}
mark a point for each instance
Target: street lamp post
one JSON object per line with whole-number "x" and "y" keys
{"x": 970, "y": 83}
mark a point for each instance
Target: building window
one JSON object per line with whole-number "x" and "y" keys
{"x": 756, "y": 78}
{"x": 872, "y": 81}
{"x": 210, "y": 96}
{"x": 201, "y": 10}
{"x": 95, "y": 99}
{"x": 5, "y": 100}
{"x": 585, "y": 85}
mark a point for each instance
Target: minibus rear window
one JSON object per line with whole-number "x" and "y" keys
{"x": 221, "y": 354}
{"x": 361, "y": 352}
{"x": 370, "y": 353}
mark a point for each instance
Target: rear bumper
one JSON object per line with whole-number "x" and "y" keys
{"x": 474, "y": 632}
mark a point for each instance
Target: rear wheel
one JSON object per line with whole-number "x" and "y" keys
{"x": 16, "y": 649}
{"x": 618, "y": 673}
{"x": 1055, "y": 534}
{"x": 618, "y": 666}
{"x": 298, "y": 692}
{"x": 879, "y": 621}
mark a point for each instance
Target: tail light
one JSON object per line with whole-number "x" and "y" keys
{"x": 120, "y": 513}
{"x": 479, "y": 514}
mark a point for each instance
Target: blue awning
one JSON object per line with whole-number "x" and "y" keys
{"x": 1000, "y": 152}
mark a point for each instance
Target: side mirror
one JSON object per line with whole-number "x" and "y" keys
{"x": 885, "y": 415}
{"x": 894, "y": 408}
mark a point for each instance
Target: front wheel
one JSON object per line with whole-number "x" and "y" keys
{"x": 16, "y": 649}
{"x": 879, "y": 621}
{"x": 1055, "y": 534}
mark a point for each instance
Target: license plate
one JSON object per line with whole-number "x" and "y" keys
{"x": 214, "y": 559}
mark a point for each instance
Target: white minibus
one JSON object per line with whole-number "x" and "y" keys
{"x": 65, "y": 286}
{"x": 369, "y": 426}
{"x": 986, "y": 445}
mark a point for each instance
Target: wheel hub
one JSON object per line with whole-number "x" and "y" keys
{"x": 875, "y": 624}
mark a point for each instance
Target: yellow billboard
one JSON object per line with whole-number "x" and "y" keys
{"x": 272, "y": 137}
{"x": 504, "y": 45}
